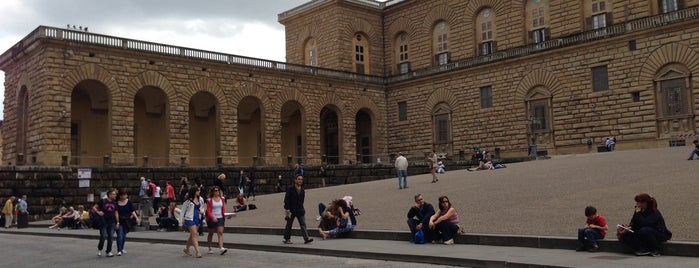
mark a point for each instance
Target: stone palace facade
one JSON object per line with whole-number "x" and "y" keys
{"x": 363, "y": 80}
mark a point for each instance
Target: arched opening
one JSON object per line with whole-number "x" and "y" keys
{"x": 204, "y": 137}
{"x": 151, "y": 128}
{"x": 90, "y": 124}
{"x": 293, "y": 131}
{"x": 673, "y": 101}
{"x": 330, "y": 134}
{"x": 365, "y": 140}
{"x": 441, "y": 116}
{"x": 539, "y": 119}
{"x": 250, "y": 130}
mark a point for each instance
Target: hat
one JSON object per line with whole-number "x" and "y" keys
{"x": 347, "y": 199}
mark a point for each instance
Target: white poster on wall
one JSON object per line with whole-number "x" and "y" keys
{"x": 84, "y": 176}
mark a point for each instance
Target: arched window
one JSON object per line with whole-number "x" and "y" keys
{"x": 310, "y": 52}
{"x": 360, "y": 63}
{"x": 485, "y": 31}
{"x": 674, "y": 109}
{"x": 538, "y": 106}
{"x": 537, "y": 19}
{"x": 401, "y": 52}
{"x": 442, "y": 124}
{"x": 440, "y": 37}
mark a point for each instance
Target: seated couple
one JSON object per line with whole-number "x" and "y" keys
{"x": 336, "y": 219}
{"x": 167, "y": 217}
{"x": 441, "y": 225}
{"x": 65, "y": 218}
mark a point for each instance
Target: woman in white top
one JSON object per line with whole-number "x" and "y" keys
{"x": 192, "y": 209}
{"x": 215, "y": 220}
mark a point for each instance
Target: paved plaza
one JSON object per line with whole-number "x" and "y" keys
{"x": 543, "y": 197}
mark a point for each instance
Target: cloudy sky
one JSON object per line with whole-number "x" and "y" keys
{"x": 241, "y": 27}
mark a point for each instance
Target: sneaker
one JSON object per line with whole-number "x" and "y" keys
{"x": 580, "y": 248}
{"x": 224, "y": 250}
{"x": 594, "y": 248}
{"x": 123, "y": 251}
{"x": 655, "y": 253}
{"x": 308, "y": 241}
{"x": 642, "y": 253}
{"x": 211, "y": 251}
{"x": 318, "y": 218}
{"x": 287, "y": 241}
{"x": 110, "y": 254}
{"x": 99, "y": 253}
{"x": 53, "y": 226}
{"x": 449, "y": 242}
{"x": 161, "y": 230}
{"x": 119, "y": 253}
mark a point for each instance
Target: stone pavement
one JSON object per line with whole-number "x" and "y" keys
{"x": 454, "y": 255}
{"x": 538, "y": 203}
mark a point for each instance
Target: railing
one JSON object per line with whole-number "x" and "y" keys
{"x": 310, "y": 5}
{"x": 104, "y": 40}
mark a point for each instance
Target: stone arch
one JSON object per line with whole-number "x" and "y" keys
{"x": 308, "y": 31}
{"x": 89, "y": 72}
{"x": 358, "y": 25}
{"x": 24, "y": 81}
{"x": 154, "y": 79}
{"x": 402, "y": 25}
{"x": 244, "y": 89}
{"x": 665, "y": 54}
{"x": 534, "y": 79}
{"x": 291, "y": 95}
{"x": 203, "y": 84}
{"x": 364, "y": 102}
{"x": 439, "y": 96}
{"x": 440, "y": 12}
{"x": 476, "y": 6}
{"x": 326, "y": 99}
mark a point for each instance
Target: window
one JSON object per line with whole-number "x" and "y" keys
{"x": 537, "y": 19}
{"x": 599, "y": 78}
{"x": 668, "y": 5}
{"x": 599, "y": 21}
{"x": 539, "y": 35}
{"x": 402, "y": 53}
{"x": 402, "y": 111}
{"x": 674, "y": 98}
{"x": 486, "y": 97}
{"x": 597, "y": 15}
{"x": 538, "y": 115}
{"x": 441, "y": 43}
{"x": 311, "y": 55}
{"x": 636, "y": 96}
{"x": 485, "y": 30}
{"x": 361, "y": 54}
{"x": 442, "y": 132}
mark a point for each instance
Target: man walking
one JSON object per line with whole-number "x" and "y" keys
{"x": 293, "y": 204}
{"x": 220, "y": 182}
{"x": 402, "y": 170}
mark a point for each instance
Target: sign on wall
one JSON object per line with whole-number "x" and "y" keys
{"x": 84, "y": 176}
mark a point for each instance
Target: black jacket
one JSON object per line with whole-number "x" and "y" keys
{"x": 293, "y": 200}
{"x": 423, "y": 214}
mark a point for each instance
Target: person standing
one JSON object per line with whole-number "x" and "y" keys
{"x": 156, "y": 197}
{"x": 106, "y": 209}
{"x": 9, "y": 211}
{"x": 241, "y": 183}
{"x": 419, "y": 217}
{"x": 23, "y": 214}
{"x": 193, "y": 209}
{"x": 251, "y": 186}
{"x": 215, "y": 220}
{"x": 323, "y": 174}
{"x": 127, "y": 213}
{"x": 184, "y": 187}
{"x": 146, "y": 202}
{"x": 220, "y": 183}
{"x": 402, "y": 170}
{"x": 279, "y": 187}
{"x": 433, "y": 165}
{"x": 293, "y": 204}
{"x": 170, "y": 192}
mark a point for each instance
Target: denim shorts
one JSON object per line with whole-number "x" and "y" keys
{"x": 188, "y": 223}
{"x": 221, "y": 222}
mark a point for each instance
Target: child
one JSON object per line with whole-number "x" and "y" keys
{"x": 595, "y": 229}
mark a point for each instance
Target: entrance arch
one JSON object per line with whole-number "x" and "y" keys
{"x": 331, "y": 134}
{"x": 90, "y": 124}
{"x": 204, "y": 137}
{"x": 365, "y": 139}
{"x": 293, "y": 131}
{"x": 250, "y": 130}
{"x": 151, "y": 128}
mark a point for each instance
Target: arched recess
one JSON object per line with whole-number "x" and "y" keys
{"x": 291, "y": 105}
{"x": 674, "y": 52}
{"x": 251, "y": 130}
{"x": 360, "y": 33}
{"x": 308, "y": 31}
{"x": 443, "y": 104}
{"x": 22, "y": 127}
{"x": 151, "y": 126}
{"x": 90, "y": 124}
{"x": 204, "y": 130}
{"x": 402, "y": 33}
{"x": 180, "y": 117}
{"x": 366, "y": 126}
{"x": 674, "y": 100}
{"x": 539, "y": 103}
{"x": 331, "y": 134}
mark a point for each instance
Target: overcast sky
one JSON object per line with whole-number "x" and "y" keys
{"x": 241, "y": 27}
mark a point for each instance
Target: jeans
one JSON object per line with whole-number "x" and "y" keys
{"x": 341, "y": 230}
{"x": 446, "y": 229}
{"x": 591, "y": 235}
{"x": 694, "y": 153}
{"x": 302, "y": 223}
{"x": 121, "y": 237}
{"x": 402, "y": 183}
{"x": 166, "y": 222}
{"x": 106, "y": 232}
{"x": 321, "y": 208}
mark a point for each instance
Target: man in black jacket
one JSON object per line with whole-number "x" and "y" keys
{"x": 293, "y": 204}
{"x": 419, "y": 217}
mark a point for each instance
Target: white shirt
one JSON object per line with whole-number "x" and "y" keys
{"x": 157, "y": 191}
{"x": 216, "y": 208}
